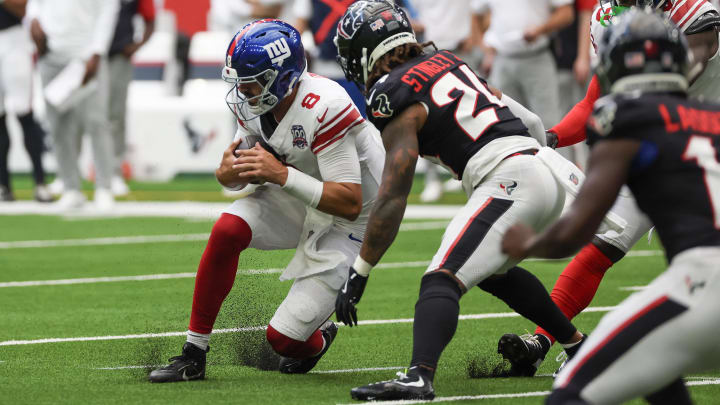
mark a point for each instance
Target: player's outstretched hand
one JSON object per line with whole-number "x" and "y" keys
{"x": 516, "y": 240}
{"x": 348, "y": 296}
{"x": 258, "y": 165}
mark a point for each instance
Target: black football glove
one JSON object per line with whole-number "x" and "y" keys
{"x": 348, "y": 296}
{"x": 551, "y": 138}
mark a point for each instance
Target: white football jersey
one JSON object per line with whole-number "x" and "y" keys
{"x": 683, "y": 13}
{"x": 320, "y": 118}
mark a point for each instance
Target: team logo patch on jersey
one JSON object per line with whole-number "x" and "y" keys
{"x": 693, "y": 285}
{"x": 278, "y": 51}
{"x": 352, "y": 21}
{"x": 575, "y": 180}
{"x": 509, "y": 188}
{"x": 299, "y": 140}
{"x": 381, "y": 106}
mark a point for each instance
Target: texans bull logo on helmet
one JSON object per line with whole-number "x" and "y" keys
{"x": 352, "y": 20}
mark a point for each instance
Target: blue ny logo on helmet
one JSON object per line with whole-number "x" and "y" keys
{"x": 266, "y": 52}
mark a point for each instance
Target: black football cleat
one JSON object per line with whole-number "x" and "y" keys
{"x": 405, "y": 386}
{"x": 190, "y": 365}
{"x": 302, "y": 366}
{"x": 525, "y": 354}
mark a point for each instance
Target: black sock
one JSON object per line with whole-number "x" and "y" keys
{"x": 675, "y": 393}
{"x": 436, "y": 318}
{"x": 526, "y": 295}
{"x": 4, "y": 150}
{"x": 33, "y": 136}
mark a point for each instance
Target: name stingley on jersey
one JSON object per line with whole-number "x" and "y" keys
{"x": 463, "y": 115}
{"x": 675, "y": 176}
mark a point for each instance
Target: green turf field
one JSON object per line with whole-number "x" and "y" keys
{"x": 114, "y": 370}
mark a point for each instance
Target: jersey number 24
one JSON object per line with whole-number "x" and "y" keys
{"x": 473, "y": 124}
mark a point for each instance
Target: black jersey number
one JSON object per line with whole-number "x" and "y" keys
{"x": 474, "y": 124}
{"x": 700, "y": 149}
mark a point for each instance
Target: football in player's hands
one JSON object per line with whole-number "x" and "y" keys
{"x": 248, "y": 142}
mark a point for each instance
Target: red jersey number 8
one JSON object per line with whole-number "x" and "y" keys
{"x": 310, "y": 100}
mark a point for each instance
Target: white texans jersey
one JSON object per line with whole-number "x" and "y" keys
{"x": 321, "y": 118}
{"x": 683, "y": 13}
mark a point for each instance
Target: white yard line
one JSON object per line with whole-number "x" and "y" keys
{"x": 347, "y": 370}
{"x": 467, "y": 398}
{"x": 115, "y": 240}
{"x": 190, "y": 237}
{"x": 357, "y": 370}
{"x": 130, "y": 367}
{"x": 90, "y": 280}
{"x": 704, "y": 381}
{"x": 255, "y": 328}
{"x": 184, "y": 209}
{"x": 149, "y": 277}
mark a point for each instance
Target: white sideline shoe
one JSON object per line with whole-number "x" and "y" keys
{"x": 104, "y": 200}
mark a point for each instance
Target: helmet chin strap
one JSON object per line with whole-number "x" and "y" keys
{"x": 363, "y": 64}
{"x": 291, "y": 86}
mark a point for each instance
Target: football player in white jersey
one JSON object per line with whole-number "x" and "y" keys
{"x": 579, "y": 281}
{"x": 318, "y": 165}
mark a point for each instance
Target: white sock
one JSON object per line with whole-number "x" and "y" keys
{"x": 200, "y": 340}
{"x": 569, "y": 345}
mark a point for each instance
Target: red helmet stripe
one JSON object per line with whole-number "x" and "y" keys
{"x": 244, "y": 30}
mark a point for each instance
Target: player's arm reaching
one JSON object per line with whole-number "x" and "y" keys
{"x": 607, "y": 172}
{"x": 571, "y": 129}
{"x": 401, "y": 146}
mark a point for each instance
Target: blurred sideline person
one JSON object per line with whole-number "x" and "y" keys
{"x": 519, "y": 60}
{"x": 228, "y": 15}
{"x": 647, "y": 134}
{"x": 571, "y": 48}
{"x": 319, "y": 163}
{"x": 579, "y": 281}
{"x": 16, "y": 76}
{"x": 71, "y": 32}
{"x": 321, "y": 17}
{"x": 120, "y": 69}
{"x": 431, "y": 103}
{"x": 448, "y": 24}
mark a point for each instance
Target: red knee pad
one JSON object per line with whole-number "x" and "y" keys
{"x": 295, "y": 349}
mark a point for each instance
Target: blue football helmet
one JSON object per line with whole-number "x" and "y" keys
{"x": 267, "y": 52}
